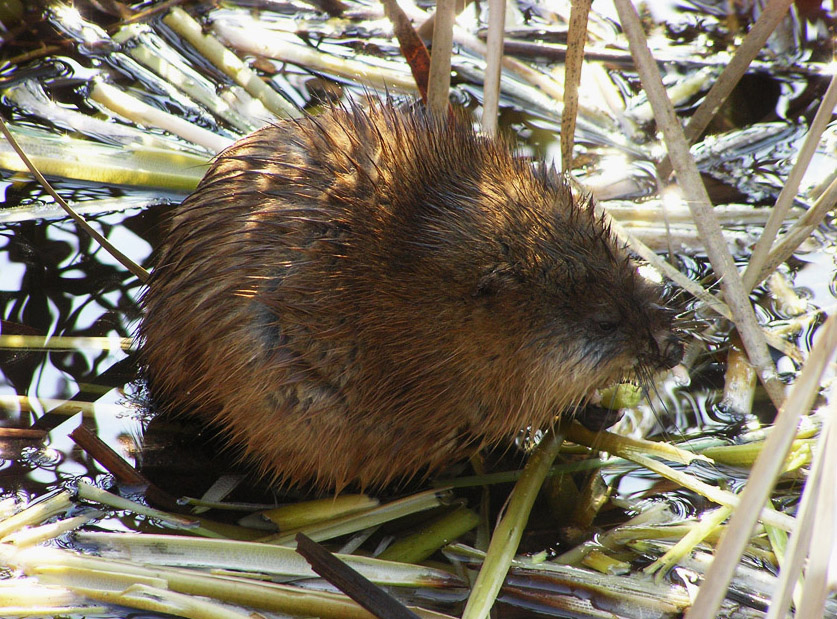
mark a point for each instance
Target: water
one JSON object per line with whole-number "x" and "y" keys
{"x": 56, "y": 283}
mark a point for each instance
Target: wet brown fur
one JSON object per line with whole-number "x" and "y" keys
{"x": 369, "y": 295}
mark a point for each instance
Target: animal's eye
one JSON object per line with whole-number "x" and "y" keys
{"x": 608, "y": 325}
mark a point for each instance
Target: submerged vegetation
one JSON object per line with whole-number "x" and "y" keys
{"x": 720, "y": 176}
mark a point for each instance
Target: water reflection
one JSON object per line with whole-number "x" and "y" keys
{"x": 54, "y": 282}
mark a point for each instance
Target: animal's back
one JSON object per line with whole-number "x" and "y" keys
{"x": 369, "y": 295}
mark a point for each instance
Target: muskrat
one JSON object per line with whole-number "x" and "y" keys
{"x": 369, "y": 295}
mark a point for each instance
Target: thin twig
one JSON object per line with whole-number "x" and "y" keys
{"x": 758, "y": 260}
{"x": 351, "y": 582}
{"x": 412, "y": 47}
{"x": 577, "y": 37}
{"x": 699, "y": 203}
{"x": 438, "y": 88}
{"x": 753, "y": 43}
{"x": 122, "y": 470}
{"x": 764, "y": 473}
{"x": 817, "y": 587}
{"x": 800, "y": 231}
{"x": 807, "y": 515}
{"x": 493, "y": 65}
{"x": 124, "y": 260}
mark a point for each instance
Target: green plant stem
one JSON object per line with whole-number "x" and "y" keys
{"x": 506, "y": 537}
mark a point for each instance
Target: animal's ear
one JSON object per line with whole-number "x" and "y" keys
{"x": 495, "y": 280}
